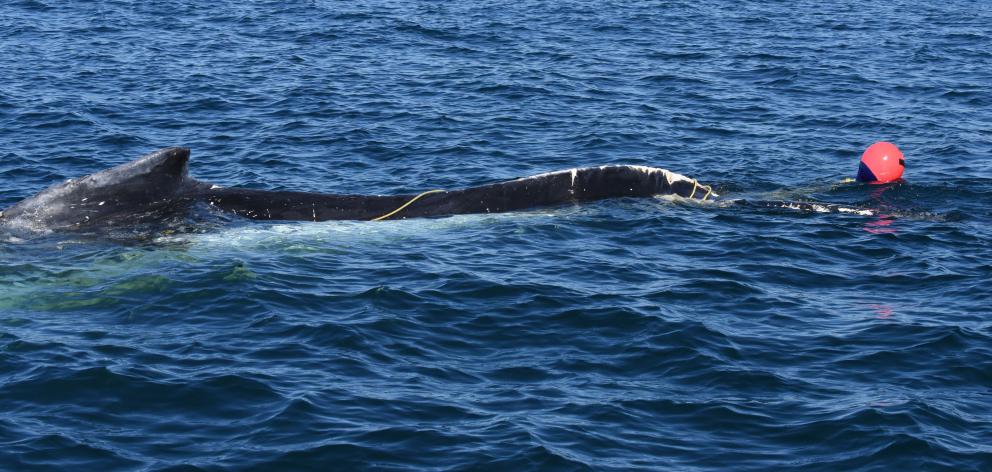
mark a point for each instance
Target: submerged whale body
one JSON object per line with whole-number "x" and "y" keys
{"x": 159, "y": 184}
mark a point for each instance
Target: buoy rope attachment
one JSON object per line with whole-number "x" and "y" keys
{"x": 387, "y": 215}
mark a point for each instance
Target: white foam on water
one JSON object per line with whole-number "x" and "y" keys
{"x": 335, "y": 233}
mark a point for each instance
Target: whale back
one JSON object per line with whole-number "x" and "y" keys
{"x": 143, "y": 185}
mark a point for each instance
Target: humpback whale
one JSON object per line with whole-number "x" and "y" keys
{"x": 159, "y": 183}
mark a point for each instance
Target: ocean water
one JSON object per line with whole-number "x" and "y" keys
{"x": 637, "y": 334}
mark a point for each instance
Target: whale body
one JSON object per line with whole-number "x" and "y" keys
{"x": 159, "y": 183}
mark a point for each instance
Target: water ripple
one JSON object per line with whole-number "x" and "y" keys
{"x": 618, "y": 335}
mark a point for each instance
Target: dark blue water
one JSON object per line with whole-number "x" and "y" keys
{"x": 618, "y": 335}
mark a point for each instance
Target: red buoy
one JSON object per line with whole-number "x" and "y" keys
{"x": 881, "y": 163}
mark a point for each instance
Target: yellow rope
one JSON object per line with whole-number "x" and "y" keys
{"x": 387, "y": 215}
{"x": 709, "y": 190}
{"x": 696, "y": 184}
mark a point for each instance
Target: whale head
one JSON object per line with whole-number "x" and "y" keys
{"x": 148, "y": 183}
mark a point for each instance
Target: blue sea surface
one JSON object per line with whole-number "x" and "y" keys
{"x": 629, "y": 334}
